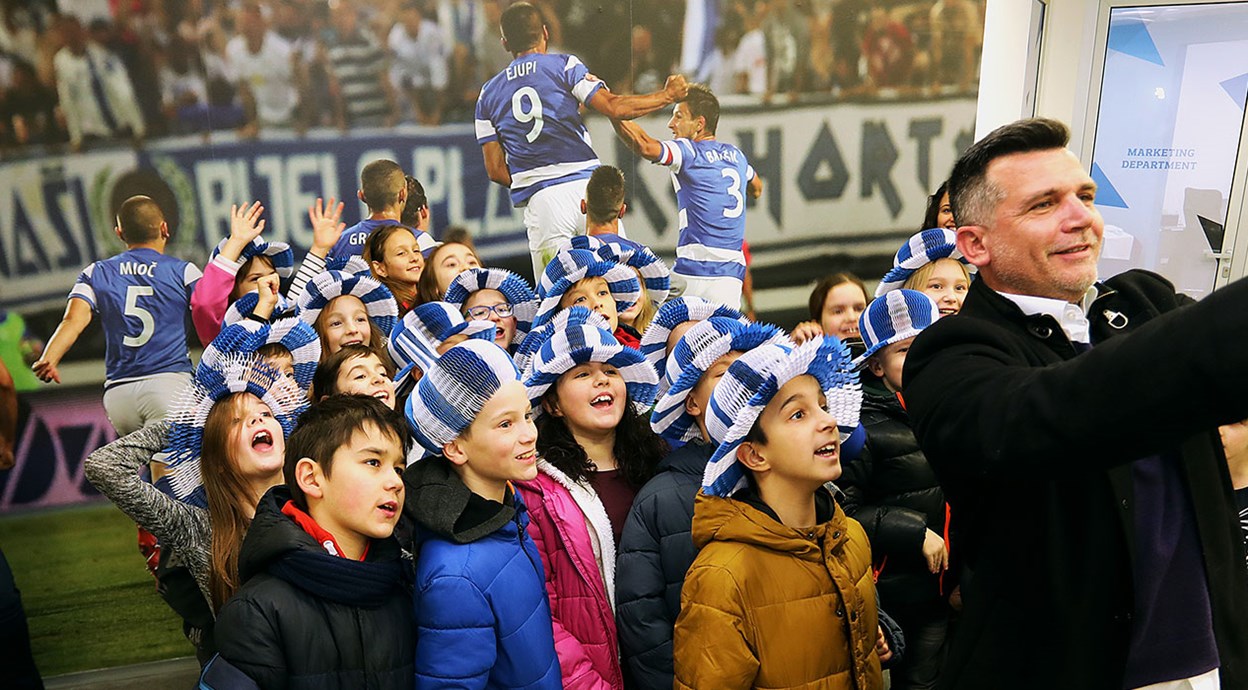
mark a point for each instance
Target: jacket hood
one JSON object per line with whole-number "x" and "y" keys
{"x": 882, "y": 401}
{"x": 745, "y": 519}
{"x": 276, "y": 545}
{"x": 690, "y": 458}
{"x": 439, "y": 501}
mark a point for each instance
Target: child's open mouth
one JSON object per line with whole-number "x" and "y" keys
{"x": 827, "y": 452}
{"x": 262, "y": 441}
{"x": 602, "y": 401}
{"x": 389, "y": 509}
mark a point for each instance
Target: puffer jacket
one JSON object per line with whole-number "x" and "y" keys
{"x": 573, "y": 534}
{"x": 305, "y": 619}
{"x": 892, "y": 491}
{"x": 482, "y": 617}
{"x": 655, "y": 552}
{"x": 768, "y": 606}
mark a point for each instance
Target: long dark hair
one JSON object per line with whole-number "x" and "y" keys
{"x": 637, "y": 448}
{"x": 933, "y": 206}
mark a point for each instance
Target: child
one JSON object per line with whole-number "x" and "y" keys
{"x": 651, "y": 271}
{"x": 670, "y": 324}
{"x": 347, "y": 308}
{"x": 835, "y": 305}
{"x": 656, "y": 548}
{"x": 323, "y": 601}
{"x": 356, "y": 370}
{"x": 892, "y": 491}
{"x": 930, "y": 262}
{"x": 277, "y": 333}
{"x": 425, "y": 333}
{"x": 577, "y": 277}
{"x": 780, "y": 594}
{"x": 395, "y": 257}
{"x": 236, "y": 266}
{"x": 145, "y": 366}
{"x": 596, "y": 451}
{"x": 497, "y": 295}
{"x": 224, "y": 450}
{"x": 480, "y": 594}
{"x": 444, "y": 262}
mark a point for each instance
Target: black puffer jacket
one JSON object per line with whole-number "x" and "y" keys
{"x": 305, "y": 619}
{"x": 656, "y": 551}
{"x": 892, "y": 491}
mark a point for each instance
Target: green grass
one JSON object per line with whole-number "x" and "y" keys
{"x": 88, "y": 596}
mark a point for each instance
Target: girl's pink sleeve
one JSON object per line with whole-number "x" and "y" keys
{"x": 212, "y": 297}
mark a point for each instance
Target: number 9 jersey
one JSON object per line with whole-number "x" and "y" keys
{"x": 532, "y": 110}
{"x": 142, "y": 297}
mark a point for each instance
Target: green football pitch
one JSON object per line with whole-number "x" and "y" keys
{"x": 88, "y": 596}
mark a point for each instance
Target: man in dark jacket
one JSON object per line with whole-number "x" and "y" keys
{"x": 1095, "y": 500}
{"x": 324, "y": 602}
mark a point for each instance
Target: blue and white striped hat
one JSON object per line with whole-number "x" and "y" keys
{"x": 348, "y": 264}
{"x": 249, "y": 335}
{"x": 672, "y": 314}
{"x": 752, "y": 381}
{"x": 279, "y": 253}
{"x": 895, "y": 316}
{"x": 575, "y": 345}
{"x": 231, "y": 373}
{"x": 572, "y": 265}
{"x": 454, "y": 389}
{"x": 611, "y": 247}
{"x": 701, "y": 347}
{"x": 418, "y": 335}
{"x": 245, "y": 306}
{"x": 921, "y": 249}
{"x": 515, "y": 289}
{"x": 329, "y": 285}
{"x": 572, "y": 316}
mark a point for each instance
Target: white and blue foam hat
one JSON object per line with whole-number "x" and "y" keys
{"x": 382, "y": 310}
{"x": 580, "y": 344}
{"x": 921, "y": 249}
{"x": 654, "y": 272}
{"x": 514, "y": 289}
{"x": 235, "y": 372}
{"x": 415, "y": 339}
{"x": 454, "y": 389}
{"x": 573, "y": 265}
{"x": 753, "y": 380}
{"x": 279, "y": 253}
{"x": 354, "y": 264}
{"x": 697, "y": 350}
{"x": 893, "y": 317}
{"x": 243, "y": 335}
{"x": 572, "y": 316}
{"x": 672, "y": 314}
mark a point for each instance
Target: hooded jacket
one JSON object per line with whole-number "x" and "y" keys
{"x": 768, "y": 606}
{"x": 656, "y": 551}
{"x": 482, "y": 617}
{"x": 306, "y": 619}
{"x": 573, "y": 534}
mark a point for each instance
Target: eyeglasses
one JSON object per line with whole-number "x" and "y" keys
{"x": 482, "y": 312}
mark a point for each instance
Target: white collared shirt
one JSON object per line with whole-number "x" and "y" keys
{"x": 1073, "y": 318}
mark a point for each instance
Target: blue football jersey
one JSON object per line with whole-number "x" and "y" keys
{"x": 710, "y": 178}
{"x": 142, "y": 297}
{"x": 532, "y": 110}
{"x": 353, "y": 239}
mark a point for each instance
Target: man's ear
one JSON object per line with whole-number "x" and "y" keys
{"x": 584, "y": 208}
{"x": 454, "y": 451}
{"x": 748, "y": 455}
{"x": 972, "y": 243}
{"x": 310, "y": 478}
{"x": 164, "y": 230}
{"x": 623, "y": 208}
{"x": 359, "y": 193}
{"x": 117, "y": 232}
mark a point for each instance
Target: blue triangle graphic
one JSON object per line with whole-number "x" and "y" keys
{"x": 1132, "y": 38}
{"x": 1106, "y": 194}
{"x": 1237, "y": 89}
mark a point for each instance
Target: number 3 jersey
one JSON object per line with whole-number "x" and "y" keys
{"x": 710, "y": 178}
{"x": 142, "y": 297}
{"x": 532, "y": 110}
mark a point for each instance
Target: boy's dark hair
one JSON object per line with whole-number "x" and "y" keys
{"x": 637, "y": 448}
{"x": 325, "y": 380}
{"x": 604, "y": 194}
{"x": 756, "y": 433}
{"x": 702, "y": 103}
{"x": 416, "y": 200}
{"x": 932, "y": 215}
{"x": 274, "y": 350}
{"x": 820, "y": 294}
{"x": 139, "y": 219}
{"x": 328, "y": 425}
{"x": 522, "y": 25}
{"x": 381, "y": 181}
{"x": 971, "y": 196}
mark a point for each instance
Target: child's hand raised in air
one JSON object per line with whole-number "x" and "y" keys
{"x": 326, "y": 226}
{"x": 245, "y": 226}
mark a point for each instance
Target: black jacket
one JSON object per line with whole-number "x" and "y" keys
{"x": 893, "y": 492}
{"x": 1034, "y": 445}
{"x": 655, "y": 552}
{"x": 306, "y": 619}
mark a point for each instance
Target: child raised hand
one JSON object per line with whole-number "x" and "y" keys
{"x": 267, "y": 287}
{"x": 245, "y": 226}
{"x": 327, "y": 227}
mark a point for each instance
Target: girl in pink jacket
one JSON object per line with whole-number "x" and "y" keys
{"x": 597, "y": 449}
